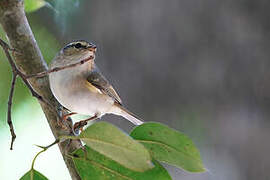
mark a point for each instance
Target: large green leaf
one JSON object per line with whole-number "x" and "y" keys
{"x": 33, "y": 175}
{"x": 168, "y": 145}
{"x": 33, "y": 5}
{"x": 113, "y": 143}
{"x": 98, "y": 167}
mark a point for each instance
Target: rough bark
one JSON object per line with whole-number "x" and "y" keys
{"x": 30, "y": 61}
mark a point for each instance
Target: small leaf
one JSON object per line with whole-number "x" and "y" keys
{"x": 113, "y": 143}
{"x": 99, "y": 167}
{"x": 33, "y": 175}
{"x": 33, "y": 5}
{"x": 168, "y": 145}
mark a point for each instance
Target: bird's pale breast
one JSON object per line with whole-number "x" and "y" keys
{"x": 73, "y": 92}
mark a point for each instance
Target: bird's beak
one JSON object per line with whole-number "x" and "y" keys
{"x": 92, "y": 49}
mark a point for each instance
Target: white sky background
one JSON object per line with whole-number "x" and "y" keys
{"x": 31, "y": 128}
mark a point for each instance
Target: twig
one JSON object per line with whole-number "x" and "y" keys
{"x": 16, "y": 72}
{"x": 82, "y": 123}
{"x": 6, "y": 49}
{"x": 9, "y": 121}
{"x": 44, "y": 149}
{"x": 42, "y": 74}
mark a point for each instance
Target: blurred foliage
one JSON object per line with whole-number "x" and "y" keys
{"x": 33, "y": 5}
{"x": 59, "y": 6}
{"x": 67, "y": 6}
{"x": 64, "y": 10}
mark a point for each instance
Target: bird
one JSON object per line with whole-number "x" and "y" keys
{"x": 82, "y": 89}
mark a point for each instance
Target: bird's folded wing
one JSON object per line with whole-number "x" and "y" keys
{"x": 96, "y": 79}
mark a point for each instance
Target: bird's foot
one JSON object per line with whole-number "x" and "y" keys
{"x": 78, "y": 126}
{"x": 66, "y": 116}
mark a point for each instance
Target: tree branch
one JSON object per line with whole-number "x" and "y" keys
{"x": 29, "y": 60}
{"x": 15, "y": 73}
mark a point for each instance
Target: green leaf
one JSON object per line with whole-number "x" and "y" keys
{"x": 113, "y": 143}
{"x": 99, "y": 167}
{"x": 33, "y": 175}
{"x": 33, "y": 5}
{"x": 168, "y": 145}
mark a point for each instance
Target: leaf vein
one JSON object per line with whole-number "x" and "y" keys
{"x": 169, "y": 147}
{"x": 104, "y": 167}
{"x": 109, "y": 143}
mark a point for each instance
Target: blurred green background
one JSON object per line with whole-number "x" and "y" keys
{"x": 200, "y": 67}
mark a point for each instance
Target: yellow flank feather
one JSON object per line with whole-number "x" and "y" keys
{"x": 92, "y": 88}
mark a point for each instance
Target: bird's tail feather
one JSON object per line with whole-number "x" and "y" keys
{"x": 128, "y": 115}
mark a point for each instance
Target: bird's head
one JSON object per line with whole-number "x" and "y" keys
{"x": 79, "y": 50}
{"x": 74, "y": 52}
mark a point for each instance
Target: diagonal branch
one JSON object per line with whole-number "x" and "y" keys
{"x": 15, "y": 73}
{"x": 29, "y": 60}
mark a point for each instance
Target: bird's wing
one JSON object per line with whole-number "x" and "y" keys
{"x": 96, "y": 79}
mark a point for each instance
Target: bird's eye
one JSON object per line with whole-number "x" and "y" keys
{"x": 78, "y": 45}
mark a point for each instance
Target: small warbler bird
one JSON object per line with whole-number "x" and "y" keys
{"x": 83, "y": 89}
